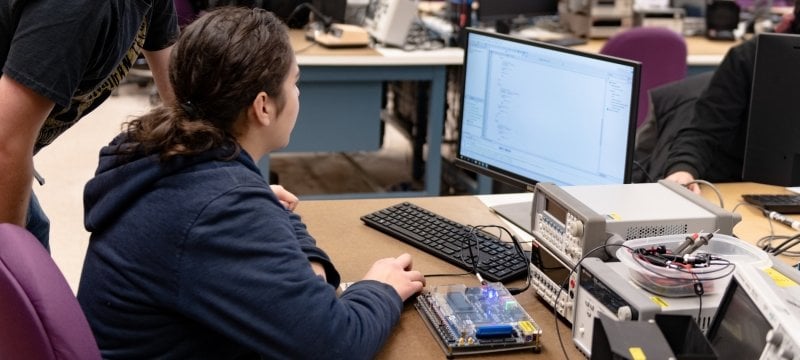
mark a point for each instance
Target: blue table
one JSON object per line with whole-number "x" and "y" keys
{"x": 341, "y": 94}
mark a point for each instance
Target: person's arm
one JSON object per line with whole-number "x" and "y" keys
{"x": 22, "y": 113}
{"x": 244, "y": 274}
{"x": 686, "y": 179}
{"x": 711, "y": 146}
{"x": 158, "y": 61}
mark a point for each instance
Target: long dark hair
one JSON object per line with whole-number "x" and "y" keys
{"x": 218, "y": 66}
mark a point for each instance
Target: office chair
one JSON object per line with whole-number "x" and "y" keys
{"x": 662, "y": 53}
{"x": 40, "y": 318}
{"x": 186, "y": 12}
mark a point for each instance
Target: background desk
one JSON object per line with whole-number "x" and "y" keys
{"x": 702, "y": 54}
{"x": 353, "y": 247}
{"x": 342, "y": 98}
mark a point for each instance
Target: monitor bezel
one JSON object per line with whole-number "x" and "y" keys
{"x": 511, "y": 15}
{"x": 519, "y": 180}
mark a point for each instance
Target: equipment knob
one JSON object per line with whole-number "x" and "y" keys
{"x": 624, "y": 313}
{"x": 775, "y": 337}
{"x": 575, "y": 229}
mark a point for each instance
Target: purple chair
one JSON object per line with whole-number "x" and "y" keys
{"x": 40, "y": 318}
{"x": 185, "y": 11}
{"x": 661, "y": 51}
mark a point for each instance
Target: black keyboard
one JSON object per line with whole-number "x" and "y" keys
{"x": 448, "y": 240}
{"x": 782, "y": 203}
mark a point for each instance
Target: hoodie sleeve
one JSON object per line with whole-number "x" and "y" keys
{"x": 309, "y": 247}
{"x": 244, "y": 270}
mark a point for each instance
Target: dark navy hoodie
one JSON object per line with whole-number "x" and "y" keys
{"x": 196, "y": 258}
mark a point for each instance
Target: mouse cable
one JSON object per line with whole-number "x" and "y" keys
{"x": 515, "y": 243}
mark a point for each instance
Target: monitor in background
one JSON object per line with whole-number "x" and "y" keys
{"x": 772, "y": 150}
{"x": 535, "y": 112}
{"x": 501, "y": 13}
{"x": 334, "y": 9}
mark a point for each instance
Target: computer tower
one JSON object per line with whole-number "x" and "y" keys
{"x": 722, "y": 18}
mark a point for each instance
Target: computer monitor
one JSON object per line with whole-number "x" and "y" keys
{"x": 532, "y": 111}
{"x": 494, "y": 10}
{"x": 758, "y": 317}
{"x": 334, "y": 9}
{"x": 772, "y": 150}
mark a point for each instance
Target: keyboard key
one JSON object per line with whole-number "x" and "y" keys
{"x": 451, "y": 241}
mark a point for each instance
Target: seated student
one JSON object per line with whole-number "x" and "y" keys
{"x": 711, "y": 146}
{"x": 192, "y": 254}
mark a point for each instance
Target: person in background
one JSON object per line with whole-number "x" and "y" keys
{"x": 60, "y": 60}
{"x": 192, "y": 254}
{"x": 712, "y": 146}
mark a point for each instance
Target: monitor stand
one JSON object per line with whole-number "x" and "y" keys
{"x": 518, "y": 214}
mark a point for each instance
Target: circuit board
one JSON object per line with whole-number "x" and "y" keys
{"x": 474, "y": 320}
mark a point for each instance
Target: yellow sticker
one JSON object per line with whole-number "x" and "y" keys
{"x": 527, "y": 327}
{"x": 659, "y": 301}
{"x": 637, "y": 353}
{"x": 614, "y": 216}
{"x": 779, "y": 279}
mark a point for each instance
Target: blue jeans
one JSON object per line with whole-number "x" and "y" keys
{"x": 37, "y": 223}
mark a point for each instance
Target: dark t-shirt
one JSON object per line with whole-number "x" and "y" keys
{"x": 76, "y": 52}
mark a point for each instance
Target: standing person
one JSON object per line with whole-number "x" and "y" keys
{"x": 712, "y": 146}
{"x": 192, "y": 254}
{"x": 60, "y": 60}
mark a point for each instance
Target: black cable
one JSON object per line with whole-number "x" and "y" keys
{"x": 699, "y": 291}
{"x": 644, "y": 171}
{"x": 564, "y": 284}
{"x": 326, "y": 21}
{"x": 786, "y": 245}
{"x": 765, "y": 243}
{"x": 521, "y": 253}
{"x": 475, "y": 261}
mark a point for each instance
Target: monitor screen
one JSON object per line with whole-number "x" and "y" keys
{"x": 494, "y": 10}
{"x": 536, "y": 112}
{"x": 739, "y": 330}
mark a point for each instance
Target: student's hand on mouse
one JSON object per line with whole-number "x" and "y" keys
{"x": 397, "y": 273}
{"x": 286, "y": 198}
{"x": 683, "y": 178}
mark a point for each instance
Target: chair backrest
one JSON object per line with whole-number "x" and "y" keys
{"x": 185, "y": 11}
{"x": 40, "y": 317}
{"x": 661, "y": 51}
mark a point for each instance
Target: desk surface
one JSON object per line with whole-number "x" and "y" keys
{"x": 353, "y": 247}
{"x": 700, "y": 50}
{"x": 309, "y": 54}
